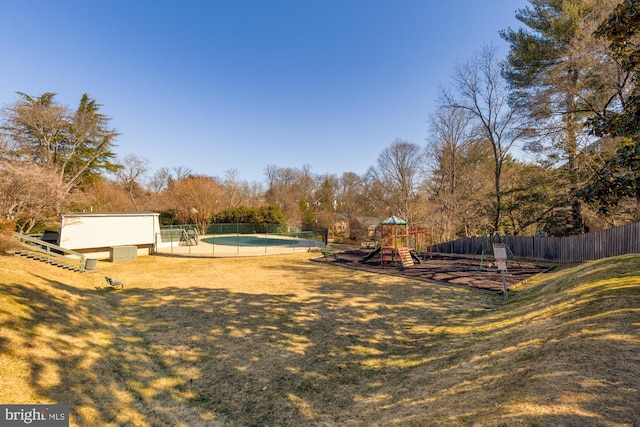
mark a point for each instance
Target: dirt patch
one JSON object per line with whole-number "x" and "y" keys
{"x": 471, "y": 272}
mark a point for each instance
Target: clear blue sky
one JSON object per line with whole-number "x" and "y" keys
{"x": 218, "y": 84}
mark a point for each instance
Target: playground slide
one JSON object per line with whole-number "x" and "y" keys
{"x": 415, "y": 256}
{"x": 371, "y": 254}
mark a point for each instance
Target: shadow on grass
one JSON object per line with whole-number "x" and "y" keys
{"x": 351, "y": 351}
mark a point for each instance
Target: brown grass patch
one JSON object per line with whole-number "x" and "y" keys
{"x": 283, "y": 341}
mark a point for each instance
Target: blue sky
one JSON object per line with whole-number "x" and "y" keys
{"x": 215, "y": 85}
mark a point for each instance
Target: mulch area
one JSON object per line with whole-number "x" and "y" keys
{"x": 450, "y": 270}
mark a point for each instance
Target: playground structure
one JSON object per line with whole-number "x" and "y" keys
{"x": 445, "y": 269}
{"x": 396, "y": 242}
{"x": 397, "y": 246}
{"x": 421, "y": 241}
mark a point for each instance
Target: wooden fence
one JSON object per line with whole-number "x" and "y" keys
{"x": 600, "y": 244}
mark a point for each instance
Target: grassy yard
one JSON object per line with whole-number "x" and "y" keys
{"x": 282, "y": 341}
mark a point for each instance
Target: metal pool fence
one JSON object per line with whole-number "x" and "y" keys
{"x": 236, "y": 239}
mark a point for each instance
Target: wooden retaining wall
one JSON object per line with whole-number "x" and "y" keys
{"x": 583, "y": 247}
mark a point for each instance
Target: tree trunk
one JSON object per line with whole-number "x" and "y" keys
{"x": 571, "y": 149}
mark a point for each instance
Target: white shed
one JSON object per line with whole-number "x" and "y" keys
{"x": 110, "y": 235}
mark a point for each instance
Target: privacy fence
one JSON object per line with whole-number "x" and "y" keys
{"x": 600, "y": 244}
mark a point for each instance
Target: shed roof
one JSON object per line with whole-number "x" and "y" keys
{"x": 116, "y": 214}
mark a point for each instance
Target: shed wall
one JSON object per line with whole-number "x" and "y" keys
{"x": 103, "y": 231}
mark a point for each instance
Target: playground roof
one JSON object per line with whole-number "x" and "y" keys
{"x": 394, "y": 220}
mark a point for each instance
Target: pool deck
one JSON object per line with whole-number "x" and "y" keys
{"x": 206, "y": 249}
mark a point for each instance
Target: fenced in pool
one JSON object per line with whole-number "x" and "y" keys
{"x": 236, "y": 240}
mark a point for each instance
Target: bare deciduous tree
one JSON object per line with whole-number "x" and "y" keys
{"x": 159, "y": 181}
{"x": 450, "y": 153}
{"x": 30, "y": 195}
{"x": 350, "y": 194}
{"x": 480, "y": 90}
{"x": 238, "y": 192}
{"x": 163, "y": 177}
{"x": 131, "y": 175}
{"x": 393, "y": 183}
{"x": 195, "y": 200}
{"x": 287, "y": 187}
{"x": 107, "y": 196}
{"x": 181, "y": 172}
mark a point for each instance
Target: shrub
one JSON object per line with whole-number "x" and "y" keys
{"x": 8, "y": 243}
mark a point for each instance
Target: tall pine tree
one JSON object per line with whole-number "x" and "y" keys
{"x": 559, "y": 68}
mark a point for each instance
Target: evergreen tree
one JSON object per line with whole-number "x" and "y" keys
{"x": 619, "y": 178}
{"x": 559, "y": 68}
{"x": 77, "y": 146}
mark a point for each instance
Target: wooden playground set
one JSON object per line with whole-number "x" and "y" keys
{"x": 406, "y": 251}
{"x": 399, "y": 244}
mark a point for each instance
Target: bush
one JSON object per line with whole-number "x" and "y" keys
{"x": 242, "y": 214}
{"x": 7, "y": 226}
{"x": 8, "y": 243}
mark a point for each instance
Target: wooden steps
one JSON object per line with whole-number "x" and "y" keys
{"x": 405, "y": 257}
{"x": 52, "y": 261}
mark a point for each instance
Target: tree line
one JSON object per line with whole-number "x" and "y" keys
{"x": 567, "y": 94}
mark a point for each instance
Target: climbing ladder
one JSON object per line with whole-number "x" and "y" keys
{"x": 189, "y": 236}
{"x": 405, "y": 256}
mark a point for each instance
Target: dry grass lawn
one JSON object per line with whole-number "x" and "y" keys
{"x": 282, "y": 341}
